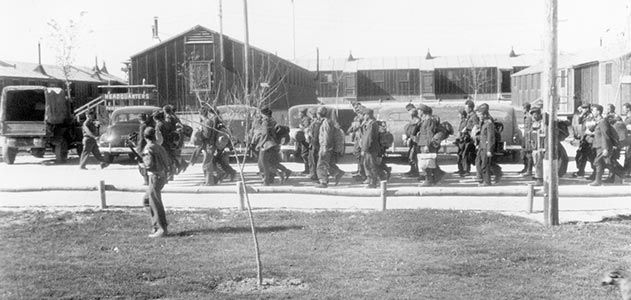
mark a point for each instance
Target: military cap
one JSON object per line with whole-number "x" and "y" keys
{"x": 424, "y": 108}
{"x": 368, "y": 111}
{"x": 469, "y": 103}
{"x": 322, "y": 110}
{"x": 150, "y": 133}
{"x": 598, "y": 107}
{"x": 410, "y": 106}
{"x": 535, "y": 109}
{"x": 266, "y": 111}
{"x": 483, "y": 107}
{"x": 303, "y": 110}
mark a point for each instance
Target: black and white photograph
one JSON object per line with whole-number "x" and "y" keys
{"x": 315, "y": 149}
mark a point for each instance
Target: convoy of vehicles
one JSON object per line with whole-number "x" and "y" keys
{"x": 37, "y": 119}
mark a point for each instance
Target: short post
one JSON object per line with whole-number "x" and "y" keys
{"x": 241, "y": 195}
{"x": 384, "y": 194}
{"x": 102, "y": 194}
{"x": 530, "y": 194}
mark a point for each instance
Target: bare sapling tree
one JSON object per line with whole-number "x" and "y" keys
{"x": 64, "y": 38}
{"x": 267, "y": 86}
{"x": 478, "y": 79}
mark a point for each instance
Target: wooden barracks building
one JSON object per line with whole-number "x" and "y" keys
{"x": 417, "y": 78}
{"x": 191, "y": 62}
{"x": 601, "y": 76}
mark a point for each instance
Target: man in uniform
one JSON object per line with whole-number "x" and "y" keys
{"x": 155, "y": 161}
{"x": 603, "y": 144}
{"x": 355, "y": 131}
{"x": 90, "y": 135}
{"x": 526, "y": 151}
{"x": 267, "y": 145}
{"x": 313, "y": 137}
{"x": 584, "y": 151}
{"x": 370, "y": 148}
{"x": 326, "y": 155}
{"x": 537, "y": 143}
{"x": 210, "y": 125}
{"x": 485, "y": 161}
{"x": 302, "y": 146}
{"x": 411, "y": 129}
{"x": 626, "y": 118}
{"x": 428, "y": 145}
{"x": 177, "y": 141}
{"x": 468, "y": 143}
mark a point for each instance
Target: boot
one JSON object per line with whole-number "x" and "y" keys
{"x": 429, "y": 177}
{"x": 528, "y": 168}
{"x": 438, "y": 175}
{"x": 413, "y": 171}
{"x": 598, "y": 173}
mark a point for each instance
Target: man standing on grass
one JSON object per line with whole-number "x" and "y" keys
{"x": 90, "y": 134}
{"x": 156, "y": 161}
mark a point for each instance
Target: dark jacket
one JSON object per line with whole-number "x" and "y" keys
{"x": 426, "y": 131}
{"x": 267, "y": 133}
{"x": 527, "y": 140}
{"x": 314, "y": 133}
{"x": 370, "y": 137}
{"x": 602, "y": 139}
{"x": 487, "y": 135}
{"x": 155, "y": 158}
{"x": 325, "y": 136}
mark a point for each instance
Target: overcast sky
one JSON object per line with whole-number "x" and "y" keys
{"x": 115, "y": 29}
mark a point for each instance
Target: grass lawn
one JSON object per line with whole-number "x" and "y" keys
{"x": 403, "y": 254}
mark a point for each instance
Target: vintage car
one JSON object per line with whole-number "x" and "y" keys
{"x": 396, "y": 116}
{"x": 124, "y": 122}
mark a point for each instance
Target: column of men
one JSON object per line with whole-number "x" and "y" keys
{"x": 599, "y": 138}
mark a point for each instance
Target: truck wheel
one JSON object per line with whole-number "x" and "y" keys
{"x": 61, "y": 152}
{"x": 38, "y": 152}
{"x": 9, "y": 154}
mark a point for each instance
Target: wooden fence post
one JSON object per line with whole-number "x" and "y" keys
{"x": 102, "y": 194}
{"x": 530, "y": 194}
{"x": 240, "y": 194}
{"x": 384, "y": 194}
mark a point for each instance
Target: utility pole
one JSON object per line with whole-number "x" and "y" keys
{"x": 221, "y": 50}
{"x": 550, "y": 97}
{"x": 246, "y": 54}
{"x": 293, "y": 15}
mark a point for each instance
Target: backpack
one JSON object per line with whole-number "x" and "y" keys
{"x": 564, "y": 130}
{"x": 282, "y": 134}
{"x": 613, "y": 135}
{"x": 443, "y": 131}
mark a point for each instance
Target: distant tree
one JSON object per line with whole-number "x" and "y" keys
{"x": 478, "y": 80}
{"x": 64, "y": 38}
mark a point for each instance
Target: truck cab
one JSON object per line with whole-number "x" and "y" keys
{"x": 36, "y": 118}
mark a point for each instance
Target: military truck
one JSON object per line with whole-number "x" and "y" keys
{"x": 36, "y": 119}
